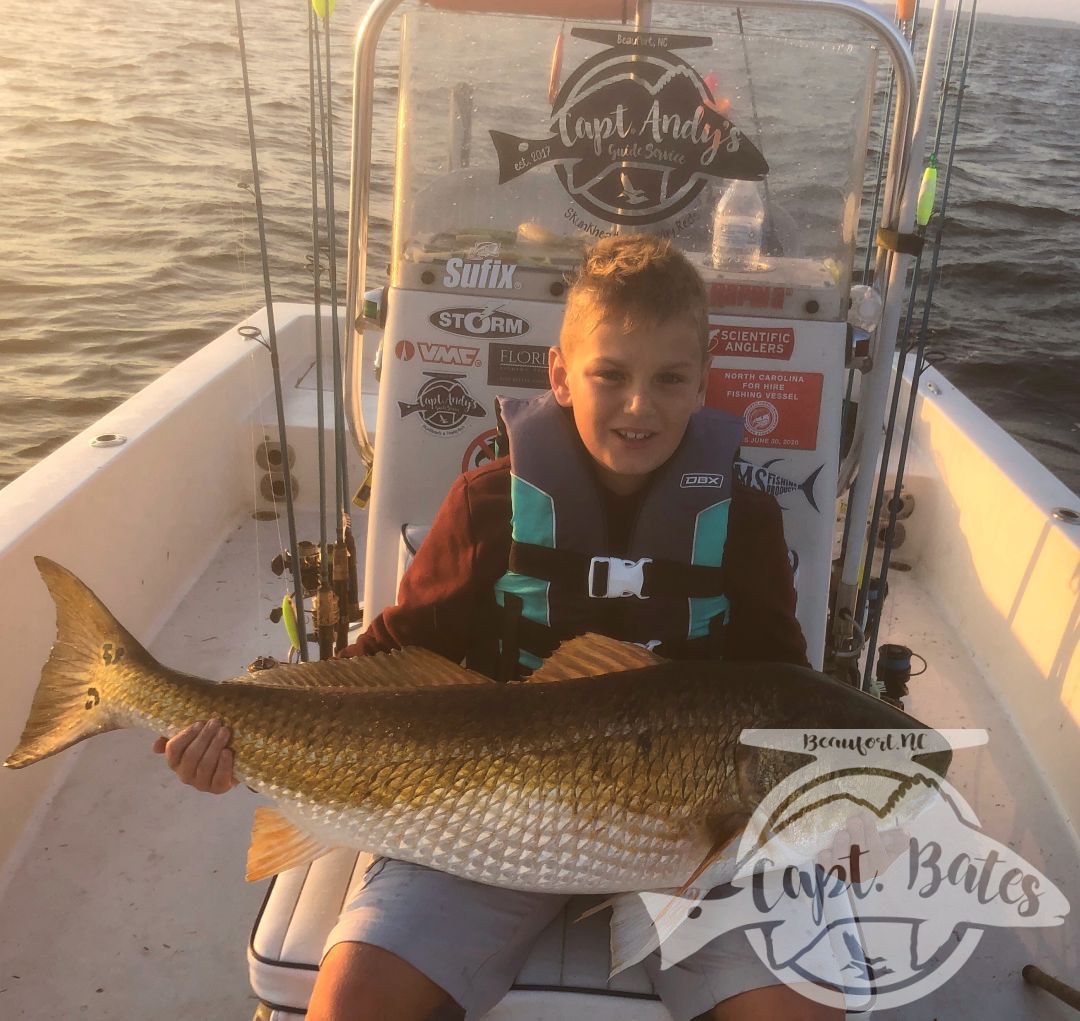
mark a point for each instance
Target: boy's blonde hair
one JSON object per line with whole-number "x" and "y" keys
{"x": 635, "y": 279}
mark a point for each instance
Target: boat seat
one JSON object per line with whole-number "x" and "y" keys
{"x": 570, "y": 957}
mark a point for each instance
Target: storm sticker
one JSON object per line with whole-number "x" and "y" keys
{"x": 492, "y": 322}
{"x": 636, "y": 131}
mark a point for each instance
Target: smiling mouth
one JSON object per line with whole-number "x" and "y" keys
{"x": 632, "y": 435}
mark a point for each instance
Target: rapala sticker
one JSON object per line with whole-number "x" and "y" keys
{"x": 490, "y": 323}
{"x": 740, "y": 295}
{"x": 480, "y": 275}
{"x": 761, "y": 476}
{"x": 437, "y": 354}
{"x": 778, "y": 409}
{"x": 521, "y": 365}
{"x": 637, "y": 131}
{"x": 752, "y": 341}
{"x": 443, "y": 403}
{"x": 480, "y": 450}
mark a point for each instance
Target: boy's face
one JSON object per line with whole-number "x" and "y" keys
{"x": 632, "y": 394}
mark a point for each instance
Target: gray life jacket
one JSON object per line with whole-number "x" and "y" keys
{"x": 667, "y": 589}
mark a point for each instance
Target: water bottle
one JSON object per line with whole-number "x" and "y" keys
{"x": 738, "y": 224}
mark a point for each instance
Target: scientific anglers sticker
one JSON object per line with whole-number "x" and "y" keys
{"x": 863, "y": 878}
{"x": 729, "y": 340}
{"x": 522, "y": 365}
{"x": 636, "y": 131}
{"x": 778, "y": 409}
{"x": 443, "y": 403}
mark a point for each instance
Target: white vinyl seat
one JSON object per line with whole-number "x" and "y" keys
{"x": 570, "y": 956}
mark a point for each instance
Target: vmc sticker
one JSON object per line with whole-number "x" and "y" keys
{"x": 778, "y": 409}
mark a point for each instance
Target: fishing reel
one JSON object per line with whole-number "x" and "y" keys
{"x": 308, "y": 553}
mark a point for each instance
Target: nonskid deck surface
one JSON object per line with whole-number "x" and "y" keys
{"x": 131, "y": 901}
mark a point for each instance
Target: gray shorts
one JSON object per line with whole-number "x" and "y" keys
{"x": 472, "y": 940}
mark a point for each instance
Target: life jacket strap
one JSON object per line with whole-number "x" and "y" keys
{"x": 614, "y": 577}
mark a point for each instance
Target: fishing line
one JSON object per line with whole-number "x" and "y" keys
{"x": 920, "y": 359}
{"x": 271, "y": 329}
{"x": 328, "y": 201}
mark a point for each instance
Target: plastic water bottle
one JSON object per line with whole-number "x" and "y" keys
{"x": 738, "y": 224}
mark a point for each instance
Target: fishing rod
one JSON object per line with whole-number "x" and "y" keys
{"x": 275, "y": 366}
{"x": 325, "y": 603}
{"x": 923, "y": 214}
{"x": 343, "y": 558}
{"x": 924, "y": 326}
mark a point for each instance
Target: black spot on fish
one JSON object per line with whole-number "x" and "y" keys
{"x": 644, "y": 743}
{"x": 92, "y": 698}
{"x": 694, "y": 912}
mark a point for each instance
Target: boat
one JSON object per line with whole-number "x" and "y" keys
{"x": 186, "y": 507}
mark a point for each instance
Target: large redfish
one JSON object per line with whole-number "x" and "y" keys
{"x": 609, "y": 770}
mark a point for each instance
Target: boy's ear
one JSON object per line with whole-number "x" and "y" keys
{"x": 558, "y": 373}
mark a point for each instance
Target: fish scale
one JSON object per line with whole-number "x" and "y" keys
{"x": 608, "y": 782}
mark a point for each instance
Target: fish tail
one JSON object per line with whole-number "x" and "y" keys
{"x": 91, "y": 656}
{"x": 807, "y": 487}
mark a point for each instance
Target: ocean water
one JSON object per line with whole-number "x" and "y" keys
{"x": 128, "y": 238}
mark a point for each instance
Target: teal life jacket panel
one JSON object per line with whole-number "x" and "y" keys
{"x": 665, "y": 590}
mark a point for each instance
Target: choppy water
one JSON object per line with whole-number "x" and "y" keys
{"x": 126, "y": 243}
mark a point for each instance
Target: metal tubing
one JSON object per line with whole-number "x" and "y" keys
{"x": 872, "y": 400}
{"x": 367, "y": 40}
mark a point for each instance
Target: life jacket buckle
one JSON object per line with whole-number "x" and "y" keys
{"x": 617, "y": 578}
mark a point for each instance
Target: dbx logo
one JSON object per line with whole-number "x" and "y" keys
{"x": 492, "y": 274}
{"x": 438, "y": 354}
{"x": 491, "y": 322}
{"x": 697, "y": 480}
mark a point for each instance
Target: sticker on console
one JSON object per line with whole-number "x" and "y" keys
{"x": 522, "y": 365}
{"x": 778, "y": 409}
{"x": 727, "y": 340}
{"x": 443, "y": 403}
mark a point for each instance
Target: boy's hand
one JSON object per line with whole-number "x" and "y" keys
{"x": 199, "y": 756}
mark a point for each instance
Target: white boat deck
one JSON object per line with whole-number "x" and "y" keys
{"x": 129, "y": 901}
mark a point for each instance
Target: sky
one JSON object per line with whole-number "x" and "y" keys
{"x": 1065, "y": 10}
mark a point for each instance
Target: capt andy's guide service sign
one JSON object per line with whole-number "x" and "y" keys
{"x": 635, "y": 131}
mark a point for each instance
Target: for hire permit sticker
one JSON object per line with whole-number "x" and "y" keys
{"x": 778, "y": 409}
{"x": 636, "y": 131}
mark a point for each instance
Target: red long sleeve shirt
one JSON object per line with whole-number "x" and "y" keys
{"x": 447, "y": 596}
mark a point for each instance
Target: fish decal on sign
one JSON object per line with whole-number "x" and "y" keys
{"x": 760, "y": 476}
{"x": 443, "y": 403}
{"x": 636, "y": 131}
{"x": 586, "y": 777}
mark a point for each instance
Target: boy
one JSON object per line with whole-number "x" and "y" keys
{"x": 603, "y": 455}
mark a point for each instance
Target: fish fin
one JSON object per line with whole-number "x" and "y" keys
{"x": 92, "y": 651}
{"x": 277, "y": 845}
{"x": 726, "y": 831}
{"x": 413, "y": 667}
{"x": 593, "y": 654}
{"x": 634, "y": 932}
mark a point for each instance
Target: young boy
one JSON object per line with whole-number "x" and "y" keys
{"x": 616, "y": 464}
